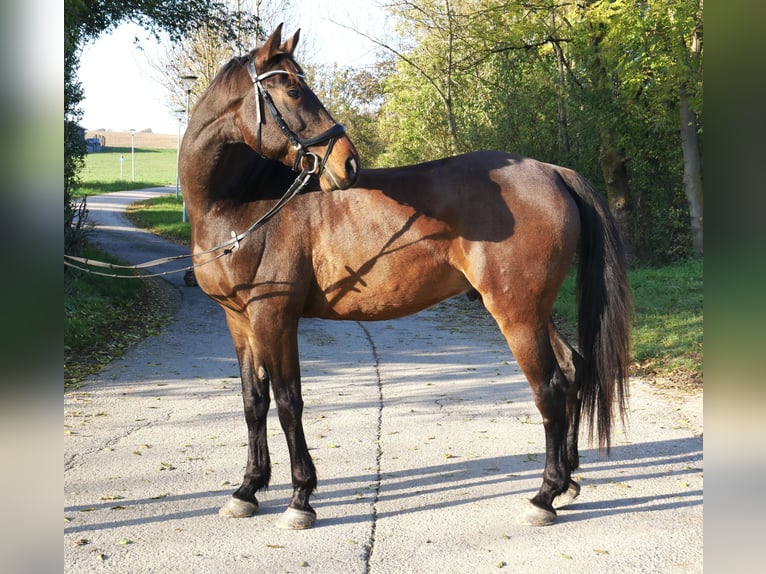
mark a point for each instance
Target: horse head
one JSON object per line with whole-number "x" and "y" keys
{"x": 283, "y": 120}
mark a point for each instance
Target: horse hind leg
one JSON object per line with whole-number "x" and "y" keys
{"x": 531, "y": 346}
{"x": 570, "y": 362}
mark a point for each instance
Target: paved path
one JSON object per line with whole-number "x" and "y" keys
{"x": 425, "y": 438}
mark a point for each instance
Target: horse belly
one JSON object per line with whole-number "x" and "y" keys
{"x": 388, "y": 290}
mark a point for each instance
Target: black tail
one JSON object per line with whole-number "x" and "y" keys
{"x": 605, "y": 310}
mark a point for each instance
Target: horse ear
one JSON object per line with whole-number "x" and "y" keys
{"x": 290, "y": 45}
{"x": 271, "y": 45}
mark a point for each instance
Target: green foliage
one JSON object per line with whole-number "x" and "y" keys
{"x": 553, "y": 80}
{"x": 353, "y": 97}
{"x": 668, "y": 325}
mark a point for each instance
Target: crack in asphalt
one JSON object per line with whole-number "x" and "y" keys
{"x": 370, "y": 546}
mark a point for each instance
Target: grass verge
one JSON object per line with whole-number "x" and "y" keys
{"x": 668, "y": 325}
{"x": 162, "y": 216}
{"x": 104, "y": 317}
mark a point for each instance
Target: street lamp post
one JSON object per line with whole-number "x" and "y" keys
{"x": 180, "y": 119}
{"x": 188, "y": 82}
{"x": 132, "y": 157}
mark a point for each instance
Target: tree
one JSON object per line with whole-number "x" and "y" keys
{"x": 655, "y": 50}
{"x": 437, "y": 55}
{"x": 689, "y": 38}
{"x": 598, "y": 85}
{"x": 210, "y": 47}
{"x": 84, "y": 21}
{"x": 354, "y": 97}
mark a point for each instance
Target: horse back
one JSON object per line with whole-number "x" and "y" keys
{"x": 406, "y": 238}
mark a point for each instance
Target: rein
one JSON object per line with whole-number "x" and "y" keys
{"x": 307, "y": 169}
{"x": 226, "y": 248}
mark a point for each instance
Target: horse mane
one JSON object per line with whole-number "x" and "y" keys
{"x": 227, "y": 77}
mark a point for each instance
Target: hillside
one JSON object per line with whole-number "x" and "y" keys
{"x": 144, "y": 140}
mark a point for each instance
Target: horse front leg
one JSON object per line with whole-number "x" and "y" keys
{"x": 255, "y": 396}
{"x": 286, "y": 384}
{"x": 299, "y": 514}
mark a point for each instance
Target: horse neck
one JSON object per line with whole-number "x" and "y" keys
{"x": 205, "y": 147}
{"x": 219, "y": 167}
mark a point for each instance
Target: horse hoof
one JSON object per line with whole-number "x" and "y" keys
{"x": 238, "y": 508}
{"x": 536, "y": 516}
{"x": 568, "y": 496}
{"x": 294, "y": 519}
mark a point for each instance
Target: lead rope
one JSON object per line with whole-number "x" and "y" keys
{"x": 226, "y": 248}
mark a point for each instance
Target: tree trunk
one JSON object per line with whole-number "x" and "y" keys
{"x": 692, "y": 168}
{"x": 452, "y": 127}
{"x": 613, "y": 166}
{"x": 563, "y": 139}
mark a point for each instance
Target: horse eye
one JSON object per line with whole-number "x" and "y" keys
{"x": 294, "y": 93}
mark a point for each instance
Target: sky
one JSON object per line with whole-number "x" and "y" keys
{"x": 120, "y": 94}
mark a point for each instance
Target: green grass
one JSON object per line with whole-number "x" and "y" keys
{"x": 101, "y": 173}
{"x": 95, "y": 300}
{"x": 162, "y": 216}
{"x": 668, "y": 325}
{"x": 104, "y": 316}
{"x": 668, "y": 330}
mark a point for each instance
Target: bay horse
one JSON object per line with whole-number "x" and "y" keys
{"x": 366, "y": 245}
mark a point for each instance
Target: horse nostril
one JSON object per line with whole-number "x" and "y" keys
{"x": 351, "y": 168}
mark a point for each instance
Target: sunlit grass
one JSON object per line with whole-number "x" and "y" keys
{"x": 668, "y": 324}
{"x": 104, "y": 172}
{"x": 163, "y": 216}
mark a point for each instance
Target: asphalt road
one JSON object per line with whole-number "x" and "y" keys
{"x": 424, "y": 435}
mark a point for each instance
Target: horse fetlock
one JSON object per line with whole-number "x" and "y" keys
{"x": 568, "y": 496}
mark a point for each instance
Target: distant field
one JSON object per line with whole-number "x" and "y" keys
{"x": 153, "y": 159}
{"x": 141, "y": 139}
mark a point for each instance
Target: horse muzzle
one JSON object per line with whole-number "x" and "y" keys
{"x": 341, "y": 165}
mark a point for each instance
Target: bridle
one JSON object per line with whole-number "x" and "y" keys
{"x": 301, "y": 146}
{"x": 306, "y": 161}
